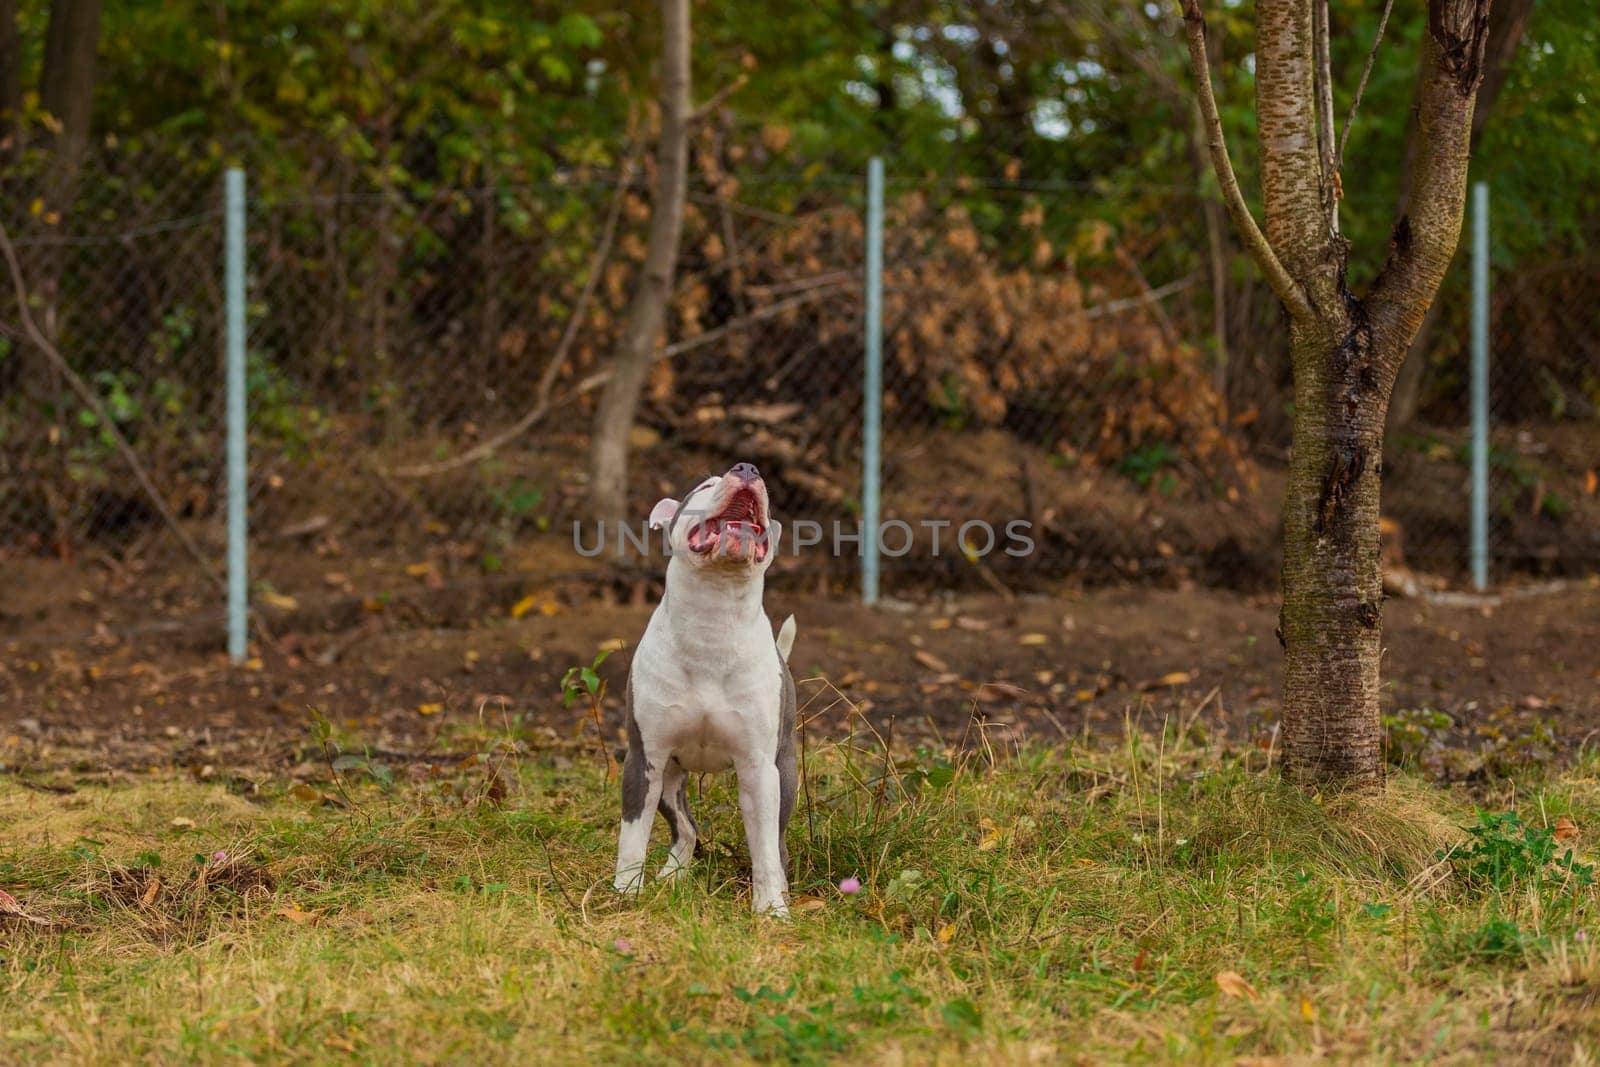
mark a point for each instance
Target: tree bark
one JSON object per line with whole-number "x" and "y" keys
{"x": 1345, "y": 353}
{"x": 1508, "y": 20}
{"x": 642, "y": 331}
{"x": 1330, "y": 625}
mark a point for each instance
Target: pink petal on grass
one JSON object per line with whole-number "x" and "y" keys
{"x": 850, "y": 886}
{"x": 623, "y": 945}
{"x": 219, "y": 856}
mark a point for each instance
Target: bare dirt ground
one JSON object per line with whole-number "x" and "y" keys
{"x": 406, "y": 676}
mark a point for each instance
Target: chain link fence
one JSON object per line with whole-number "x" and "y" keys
{"x": 423, "y": 364}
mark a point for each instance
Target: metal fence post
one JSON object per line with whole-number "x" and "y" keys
{"x": 1480, "y": 385}
{"x": 872, "y": 401}
{"x": 238, "y": 563}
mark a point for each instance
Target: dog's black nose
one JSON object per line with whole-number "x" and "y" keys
{"x": 747, "y": 471}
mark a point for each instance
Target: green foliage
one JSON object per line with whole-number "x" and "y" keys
{"x": 1504, "y": 854}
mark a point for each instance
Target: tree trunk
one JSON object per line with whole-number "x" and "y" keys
{"x": 10, "y": 70}
{"x": 1345, "y": 350}
{"x": 1331, "y": 621}
{"x": 66, "y": 89}
{"x": 609, "y": 452}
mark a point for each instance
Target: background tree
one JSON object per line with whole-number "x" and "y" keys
{"x": 642, "y": 331}
{"x": 1345, "y": 349}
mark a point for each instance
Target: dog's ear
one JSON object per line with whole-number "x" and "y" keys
{"x": 661, "y": 515}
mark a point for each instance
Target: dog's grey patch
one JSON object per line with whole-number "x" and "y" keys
{"x": 675, "y": 809}
{"x": 635, "y": 768}
{"x": 788, "y": 773}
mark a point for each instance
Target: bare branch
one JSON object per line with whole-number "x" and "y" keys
{"x": 1322, "y": 79}
{"x": 92, "y": 402}
{"x": 1286, "y": 288}
{"x": 1361, "y": 88}
{"x": 547, "y": 380}
{"x": 719, "y": 98}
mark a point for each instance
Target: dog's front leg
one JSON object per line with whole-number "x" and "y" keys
{"x": 641, "y": 792}
{"x": 760, "y": 800}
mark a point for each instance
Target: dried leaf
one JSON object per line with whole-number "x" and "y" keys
{"x": 1308, "y": 1010}
{"x": 429, "y": 709}
{"x": 523, "y": 606}
{"x": 947, "y": 933}
{"x": 930, "y": 661}
{"x": 1566, "y": 829}
{"x": 1168, "y": 680}
{"x": 1233, "y": 984}
{"x": 1033, "y": 639}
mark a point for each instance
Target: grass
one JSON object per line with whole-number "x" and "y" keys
{"x": 1149, "y": 901}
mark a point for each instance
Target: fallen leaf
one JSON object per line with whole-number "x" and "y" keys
{"x": 1171, "y": 678}
{"x": 1591, "y": 483}
{"x": 309, "y": 794}
{"x": 1033, "y": 639}
{"x": 1084, "y": 694}
{"x": 991, "y": 835}
{"x": 947, "y": 933}
{"x": 939, "y": 624}
{"x": 930, "y": 661}
{"x": 417, "y": 570}
{"x": 150, "y": 892}
{"x": 1233, "y": 984}
{"x": 296, "y": 914}
{"x": 807, "y": 903}
{"x": 967, "y": 622}
{"x": 523, "y": 606}
{"x": 616, "y": 644}
{"x": 281, "y": 601}
{"x": 182, "y": 823}
{"x": 1565, "y": 829}
{"x": 429, "y": 709}
{"x": 1308, "y": 1010}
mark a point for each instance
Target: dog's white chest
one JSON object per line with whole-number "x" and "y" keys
{"x": 712, "y": 709}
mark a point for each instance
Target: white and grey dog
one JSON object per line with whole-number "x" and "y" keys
{"x": 710, "y": 687}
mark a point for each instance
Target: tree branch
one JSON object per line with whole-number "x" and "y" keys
{"x": 1287, "y": 289}
{"x": 718, "y": 98}
{"x": 1425, "y": 236}
{"x": 92, "y": 402}
{"x": 1322, "y": 75}
{"x": 1361, "y": 88}
{"x": 1286, "y": 132}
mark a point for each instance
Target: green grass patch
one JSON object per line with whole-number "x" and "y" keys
{"x": 1144, "y": 902}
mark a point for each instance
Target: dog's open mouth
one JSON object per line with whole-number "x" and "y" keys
{"x": 738, "y": 531}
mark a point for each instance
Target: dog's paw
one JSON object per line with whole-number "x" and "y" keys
{"x": 771, "y": 909}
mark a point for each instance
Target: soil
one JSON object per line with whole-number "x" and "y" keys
{"x": 412, "y": 675}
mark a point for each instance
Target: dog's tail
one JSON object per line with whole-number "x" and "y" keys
{"x": 786, "y": 638}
